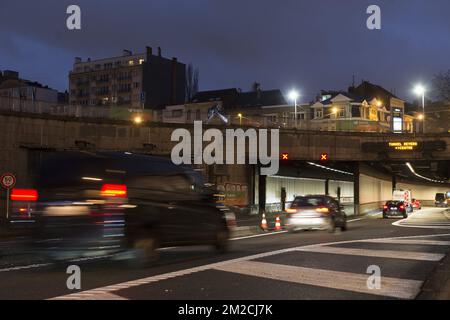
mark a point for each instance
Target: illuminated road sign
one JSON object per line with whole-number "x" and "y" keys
{"x": 8, "y": 180}
{"x": 404, "y": 145}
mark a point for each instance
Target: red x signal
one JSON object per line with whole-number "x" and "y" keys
{"x": 285, "y": 156}
{"x": 324, "y": 157}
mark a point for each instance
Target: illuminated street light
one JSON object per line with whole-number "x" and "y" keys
{"x": 420, "y": 91}
{"x": 240, "y": 118}
{"x": 410, "y": 167}
{"x": 379, "y": 103}
{"x": 137, "y": 120}
{"x": 334, "y": 110}
{"x": 420, "y": 117}
{"x": 294, "y": 95}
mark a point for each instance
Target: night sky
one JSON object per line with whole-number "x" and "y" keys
{"x": 309, "y": 45}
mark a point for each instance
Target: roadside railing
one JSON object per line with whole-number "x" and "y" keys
{"x": 41, "y": 107}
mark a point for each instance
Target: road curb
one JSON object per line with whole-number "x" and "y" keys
{"x": 437, "y": 286}
{"x": 245, "y": 231}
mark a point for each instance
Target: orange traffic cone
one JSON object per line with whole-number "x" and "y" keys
{"x": 277, "y": 224}
{"x": 264, "y": 222}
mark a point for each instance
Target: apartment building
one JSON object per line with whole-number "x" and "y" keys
{"x": 133, "y": 81}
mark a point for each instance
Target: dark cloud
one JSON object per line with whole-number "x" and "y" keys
{"x": 280, "y": 43}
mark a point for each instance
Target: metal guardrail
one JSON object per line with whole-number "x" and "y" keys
{"x": 41, "y": 107}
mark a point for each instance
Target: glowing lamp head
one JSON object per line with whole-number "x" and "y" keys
{"x": 419, "y": 90}
{"x": 137, "y": 120}
{"x": 294, "y": 95}
{"x": 334, "y": 110}
{"x": 420, "y": 117}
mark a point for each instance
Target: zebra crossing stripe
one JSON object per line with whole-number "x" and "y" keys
{"x": 355, "y": 282}
{"x": 99, "y": 292}
{"x": 410, "y": 255}
{"x": 101, "y": 295}
{"x": 409, "y": 241}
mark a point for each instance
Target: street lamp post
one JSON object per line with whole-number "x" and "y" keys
{"x": 240, "y": 119}
{"x": 293, "y": 95}
{"x": 420, "y": 91}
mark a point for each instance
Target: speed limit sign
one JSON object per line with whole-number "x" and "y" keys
{"x": 8, "y": 180}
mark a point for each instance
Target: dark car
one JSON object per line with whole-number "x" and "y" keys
{"x": 440, "y": 200}
{"x": 315, "y": 212}
{"x": 395, "y": 209}
{"x": 91, "y": 203}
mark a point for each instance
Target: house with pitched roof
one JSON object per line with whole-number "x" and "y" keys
{"x": 367, "y": 107}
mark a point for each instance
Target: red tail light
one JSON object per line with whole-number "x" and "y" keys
{"x": 402, "y": 207}
{"x": 24, "y": 195}
{"x": 291, "y": 210}
{"x": 114, "y": 191}
{"x": 385, "y": 207}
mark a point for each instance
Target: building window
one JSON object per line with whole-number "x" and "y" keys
{"x": 319, "y": 113}
{"x": 131, "y": 63}
{"x": 272, "y": 118}
{"x": 397, "y": 124}
{"x": 141, "y": 61}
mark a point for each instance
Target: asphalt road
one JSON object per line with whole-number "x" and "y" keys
{"x": 282, "y": 266}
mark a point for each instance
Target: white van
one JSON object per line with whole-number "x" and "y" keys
{"x": 405, "y": 196}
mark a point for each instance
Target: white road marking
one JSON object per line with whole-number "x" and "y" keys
{"x": 171, "y": 275}
{"x": 421, "y": 226}
{"x": 148, "y": 280}
{"x": 258, "y": 235}
{"x": 390, "y": 287}
{"x": 354, "y": 220}
{"x": 31, "y": 266}
{"x": 101, "y": 295}
{"x": 410, "y": 255}
{"x": 410, "y": 223}
{"x": 410, "y": 241}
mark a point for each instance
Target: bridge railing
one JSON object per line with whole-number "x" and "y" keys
{"x": 42, "y": 107}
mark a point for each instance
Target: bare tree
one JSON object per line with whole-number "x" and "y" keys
{"x": 441, "y": 83}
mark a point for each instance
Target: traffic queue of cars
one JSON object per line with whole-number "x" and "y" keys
{"x": 86, "y": 203}
{"x": 83, "y": 204}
